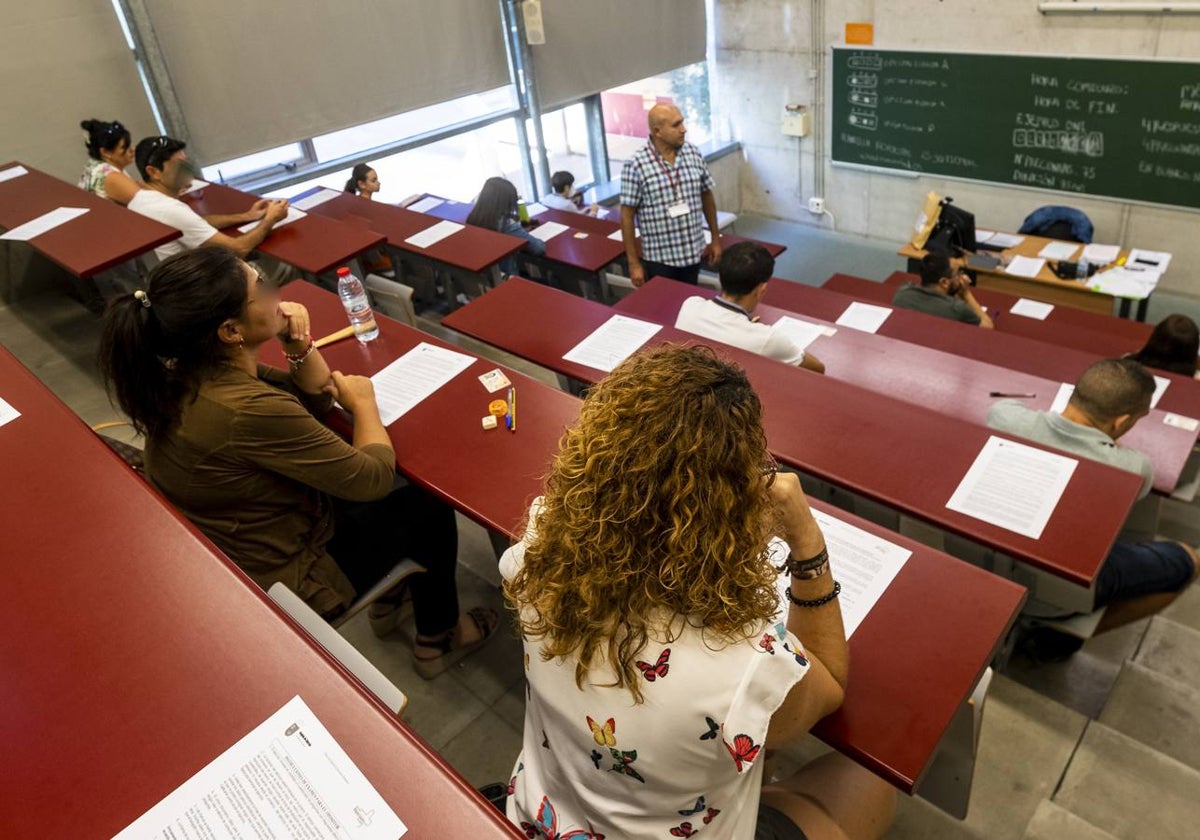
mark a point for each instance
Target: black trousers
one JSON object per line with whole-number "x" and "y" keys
{"x": 685, "y": 273}
{"x": 370, "y": 538}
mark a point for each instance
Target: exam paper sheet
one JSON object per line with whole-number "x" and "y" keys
{"x": 1058, "y": 250}
{"x": 1141, "y": 259}
{"x": 12, "y": 172}
{"x": 1122, "y": 281}
{"x": 43, "y": 223}
{"x": 1024, "y": 266}
{"x": 802, "y": 333}
{"x": 536, "y": 209}
{"x": 7, "y": 412}
{"x": 293, "y": 214}
{"x": 864, "y": 564}
{"x": 425, "y": 204}
{"x": 1004, "y": 240}
{"x": 402, "y": 385}
{"x": 1013, "y": 486}
{"x": 547, "y": 231}
{"x": 1032, "y": 308}
{"x": 611, "y": 343}
{"x": 287, "y": 778}
{"x": 863, "y": 316}
{"x": 1100, "y": 254}
{"x": 315, "y": 200}
{"x": 434, "y": 234}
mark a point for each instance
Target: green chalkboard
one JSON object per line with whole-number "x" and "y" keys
{"x": 1105, "y": 127}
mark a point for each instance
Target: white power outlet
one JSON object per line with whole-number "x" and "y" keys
{"x": 816, "y": 206}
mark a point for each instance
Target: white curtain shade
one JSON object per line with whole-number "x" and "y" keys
{"x": 594, "y": 45}
{"x": 255, "y": 74}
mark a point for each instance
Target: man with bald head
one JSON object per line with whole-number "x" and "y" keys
{"x": 667, "y": 192}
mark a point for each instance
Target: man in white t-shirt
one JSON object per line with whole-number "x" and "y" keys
{"x": 729, "y": 318}
{"x": 563, "y": 184}
{"x": 167, "y": 174}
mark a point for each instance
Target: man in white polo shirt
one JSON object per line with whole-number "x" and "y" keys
{"x": 729, "y": 318}
{"x": 167, "y": 174}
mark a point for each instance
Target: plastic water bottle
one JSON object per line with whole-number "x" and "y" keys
{"x": 1081, "y": 270}
{"x": 358, "y": 308}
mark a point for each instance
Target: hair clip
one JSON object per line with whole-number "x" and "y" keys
{"x": 143, "y": 297}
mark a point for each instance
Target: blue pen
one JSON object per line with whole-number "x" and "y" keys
{"x": 508, "y": 418}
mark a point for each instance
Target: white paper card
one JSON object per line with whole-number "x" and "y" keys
{"x": 43, "y": 223}
{"x": 402, "y": 385}
{"x": 1125, "y": 282}
{"x": 12, "y": 172}
{"x": 1024, "y": 266}
{"x": 1065, "y": 390}
{"x": 863, "y": 316}
{"x": 316, "y": 199}
{"x": 494, "y": 380}
{"x": 293, "y": 214}
{"x": 1032, "y": 308}
{"x": 1005, "y": 240}
{"x": 1190, "y": 424}
{"x": 433, "y": 235}
{"x": 611, "y": 343}
{"x": 425, "y": 204}
{"x": 1142, "y": 260}
{"x": 1100, "y": 254}
{"x": 536, "y": 208}
{"x": 802, "y": 333}
{"x": 864, "y": 564}
{"x": 547, "y": 231}
{"x": 1160, "y": 387}
{"x": 286, "y": 778}
{"x": 7, "y": 413}
{"x": 1013, "y": 486}
{"x": 1058, "y": 250}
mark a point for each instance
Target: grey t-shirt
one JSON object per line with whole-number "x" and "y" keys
{"x": 1057, "y": 431}
{"x": 920, "y": 299}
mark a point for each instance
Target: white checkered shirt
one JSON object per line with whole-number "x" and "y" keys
{"x": 651, "y": 185}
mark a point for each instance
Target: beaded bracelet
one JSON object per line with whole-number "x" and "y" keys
{"x": 816, "y": 602}
{"x": 296, "y": 359}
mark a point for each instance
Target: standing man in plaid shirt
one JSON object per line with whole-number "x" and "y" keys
{"x": 667, "y": 187}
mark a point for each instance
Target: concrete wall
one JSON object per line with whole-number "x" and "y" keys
{"x": 763, "y": 56}
{"x": 65, "y": 61}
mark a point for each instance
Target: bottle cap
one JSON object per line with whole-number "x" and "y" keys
{"x": 344, "y": 271}
{"x": 498, "y": 408}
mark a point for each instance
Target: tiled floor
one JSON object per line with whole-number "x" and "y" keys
{"x": 473, "y": 714}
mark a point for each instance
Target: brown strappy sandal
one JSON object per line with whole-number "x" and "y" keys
{"x": 486, "y": 620}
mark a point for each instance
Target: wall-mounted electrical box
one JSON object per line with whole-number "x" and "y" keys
{"x": 795, "y": 120}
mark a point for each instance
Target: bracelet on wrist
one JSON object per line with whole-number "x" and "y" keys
{"x": 816, "y": 602}
{"x": 807, "y": 569}
{"x": 296, "y": 359}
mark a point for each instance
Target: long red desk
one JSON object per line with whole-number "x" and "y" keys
{"x": 314, "y": 244}
{"x": 951, "y": 384}
{"x": 904, "y": 456}
{"x": 134, "y": 653}
{"x": 1104, "y": 336}
{"x": 995, "y": 346}
{"x": 105, "y": 236}
{"x": 940, "y": 617}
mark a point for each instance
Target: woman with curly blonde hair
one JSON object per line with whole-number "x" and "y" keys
{"x": 659, "y": 659}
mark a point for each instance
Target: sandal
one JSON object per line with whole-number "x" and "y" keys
{"x": 486, "y": 621}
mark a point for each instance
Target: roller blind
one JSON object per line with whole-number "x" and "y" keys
{"x": 65, "y": 61}
{"x": 254, "y": 74}
{"x": 594, "y": 45}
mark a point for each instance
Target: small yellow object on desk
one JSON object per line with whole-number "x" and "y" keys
{"x": 498, "y": 408}
{"x": 490, "y": 422}
{"x": 343, "y": 333}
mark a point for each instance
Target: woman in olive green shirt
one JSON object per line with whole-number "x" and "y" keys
{"x": 237, "y": 446}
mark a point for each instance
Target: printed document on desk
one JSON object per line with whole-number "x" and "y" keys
{"x": 864, "y": 564}
{"x": 7, "y": 413}
{"x": 802, "y": 333}
{"x": 286, "y": 778}
{"x": 1002, "y": 240}
{"x": 43, "y": 223}
{"x": 402, "y": 385}
{"x": 1024, "y": 266}
{"x": 293, "y": 214}
{"x": 1142, "y": 260}
{"x": 1058, "y": 250}
{"x": 1100, "y": 254}
{"x": 316, "y": 199}
{"x": 864, "y": 317}
{"x": 434, "y": 234}
{"x": 1032, "y": 308}
{"x": 611, "y": 343}
{"x": 425, "y": 204}
{"x": 1125, "y": 282}
{"x": 1013, "y": 486}
{"x": 547, "y": 231}
{"x": 12, "y": 172}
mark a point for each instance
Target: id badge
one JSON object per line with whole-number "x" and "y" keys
{"x": 677, "y": 210}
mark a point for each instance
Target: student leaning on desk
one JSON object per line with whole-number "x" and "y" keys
{"x": 944, "y": 291}
{"x": 237, "y": 447}
{"x": 167, "y": 174}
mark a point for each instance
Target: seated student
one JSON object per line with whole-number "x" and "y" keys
{"x": 660, "y": 658}
{"x": 729, "y": 317}
{"x": 1172, "y": 347}
{"x": 1109, "y": 398}
{"x": 236, "y": 445}
{"x": 563, "y": 184}
{"x": 944, "y": 291}
{"x": 110, "y": 150}
{"x": 496, "y": 209}
{"x": 363, "y": 182}
{"x": 167, "y": 174}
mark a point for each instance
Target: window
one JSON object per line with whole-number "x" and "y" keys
{"x": 566, "y": 135}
